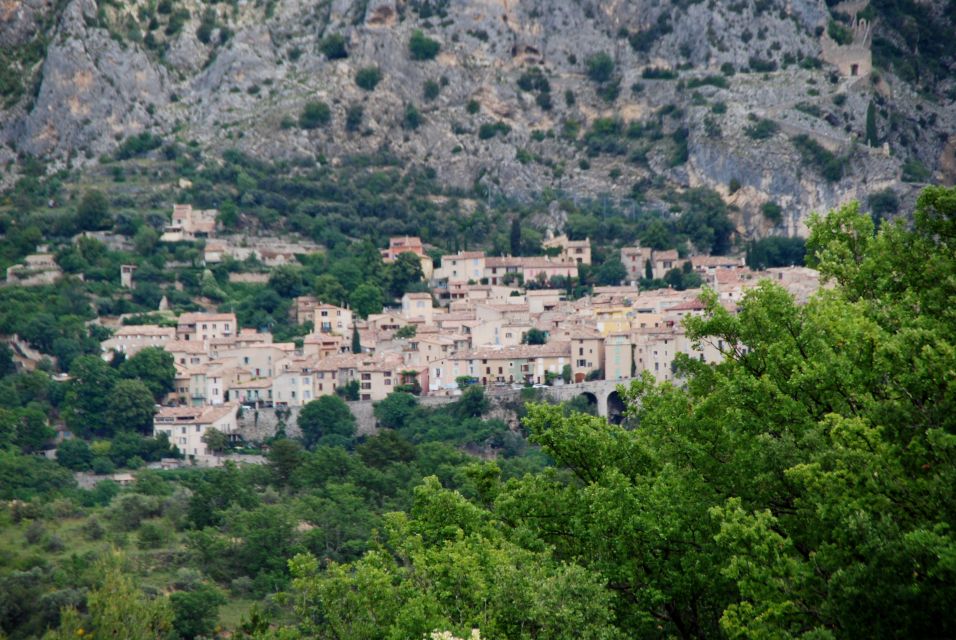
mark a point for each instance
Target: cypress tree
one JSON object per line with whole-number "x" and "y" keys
{"x": 515, "y": 237}
{"x": 871, "y": 134}
{"x": 356, "y": 341}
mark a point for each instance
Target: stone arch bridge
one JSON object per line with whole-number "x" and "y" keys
{"x": 602, "y": 393}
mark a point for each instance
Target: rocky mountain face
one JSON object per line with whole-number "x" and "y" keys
{"x": 586, "y": 97}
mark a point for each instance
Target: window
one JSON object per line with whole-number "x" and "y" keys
{"x": 198, "y": 428}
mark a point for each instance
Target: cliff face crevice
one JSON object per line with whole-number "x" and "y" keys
{"x": 693, "y": 77}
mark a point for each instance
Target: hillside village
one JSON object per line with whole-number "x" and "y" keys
{"x": 495, "y": 321}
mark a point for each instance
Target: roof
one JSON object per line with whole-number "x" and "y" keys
{"x": 185, "y": 346}
{"x": 463, "y": 255}
{"x": 193, "y": 318}
{"x": 195, "y": 415}
{"x": 517, "y": 352}
{"x": 145, "y": 330}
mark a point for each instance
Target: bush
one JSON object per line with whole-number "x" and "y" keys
{"x": 658, "y": 73}
{"x": 333, "y": 46}
{"x": 152, "y": 536}
{"x": 431, "y": 90}
{"x": 412, "y": 118}
{"x": 472, "y": 107}
{"x": 102, "y": 465}
{"x": 762, "y": 130}
{"x": 138, "y": 145}
{"x": 353, "y": 117}
{"x": 915, "y": 171}
{"x": 315, "y": 114}
{"x": 772, "y": 212}
{"x": 714, "y": 81}
{"x": 368, "y": 78}
{"x": 775, "y": 252}
{"x": 489, "y": 130}
{"x": 883, "y": 203}
{"x": 421, "y": 47}
{"x": 759, "y": 65}
{"x": 814, "y": 154}
{"x": 600, "y": 67}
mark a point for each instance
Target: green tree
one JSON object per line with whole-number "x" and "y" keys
{"x": 215, "y": 440}
{"x": 285, "y": 456}
{"x": 118, "y": 609}
{"x": 154, "y": 367}
{"x": 329, "y": 290}
{"x": 196, "y": 612}
{"x": 385, "y": 448}
{"x": 28, "y": 428}
{"x": 287, "y": 280}
{"x": 145, "y": 240}
{"x": 131, "y": 407}
{"x": 534, "y": 336}
{"x": 74, "y": 454}
{"x": 404, "y": 272}
{"x": 366, "y": 299}
{"x": 395, "y": 410}
{"x": 611, "y": 272}
{"x": 445, "y": 568}
{"x": 87, "y": 402}
{"x": 778, "y": 474}
{"x": 93, "y": 212}
{"x": 325, "y": 416}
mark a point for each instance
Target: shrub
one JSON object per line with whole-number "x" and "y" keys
{"x": 152, "y": 535}
{"x": 421, "y": 47}
{"x": 658, "y": 73}
{"x": 915, "y": 171}
{"x": 333, "y": 46}
{"x": 760, "y": 65}
{"x": 315, "y": 114}
{"x": 839, "y": 33}
{"x": 775, "y": 252}
{"x": 772, "y": 212}
{"x": 138, "y": 145}
{"x": 714, "y": 81}
{"x": 489, "y": 130}
{"x": 353, "y": 117}
{"x": 762, "y": 130}
{"x": 600, "y": 67}
{"x": 814, "y": 154}
{"x": 883, "y": 203}
{"x": 472, "y": 107}
{"x": 368, "y": 78}
{"x": 412, "y": 118}
{"x": 431, "y": 90}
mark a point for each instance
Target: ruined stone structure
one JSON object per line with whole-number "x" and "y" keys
{"x": 854, "y": 60}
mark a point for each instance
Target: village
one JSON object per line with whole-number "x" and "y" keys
{"x": 486, "y": 320}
